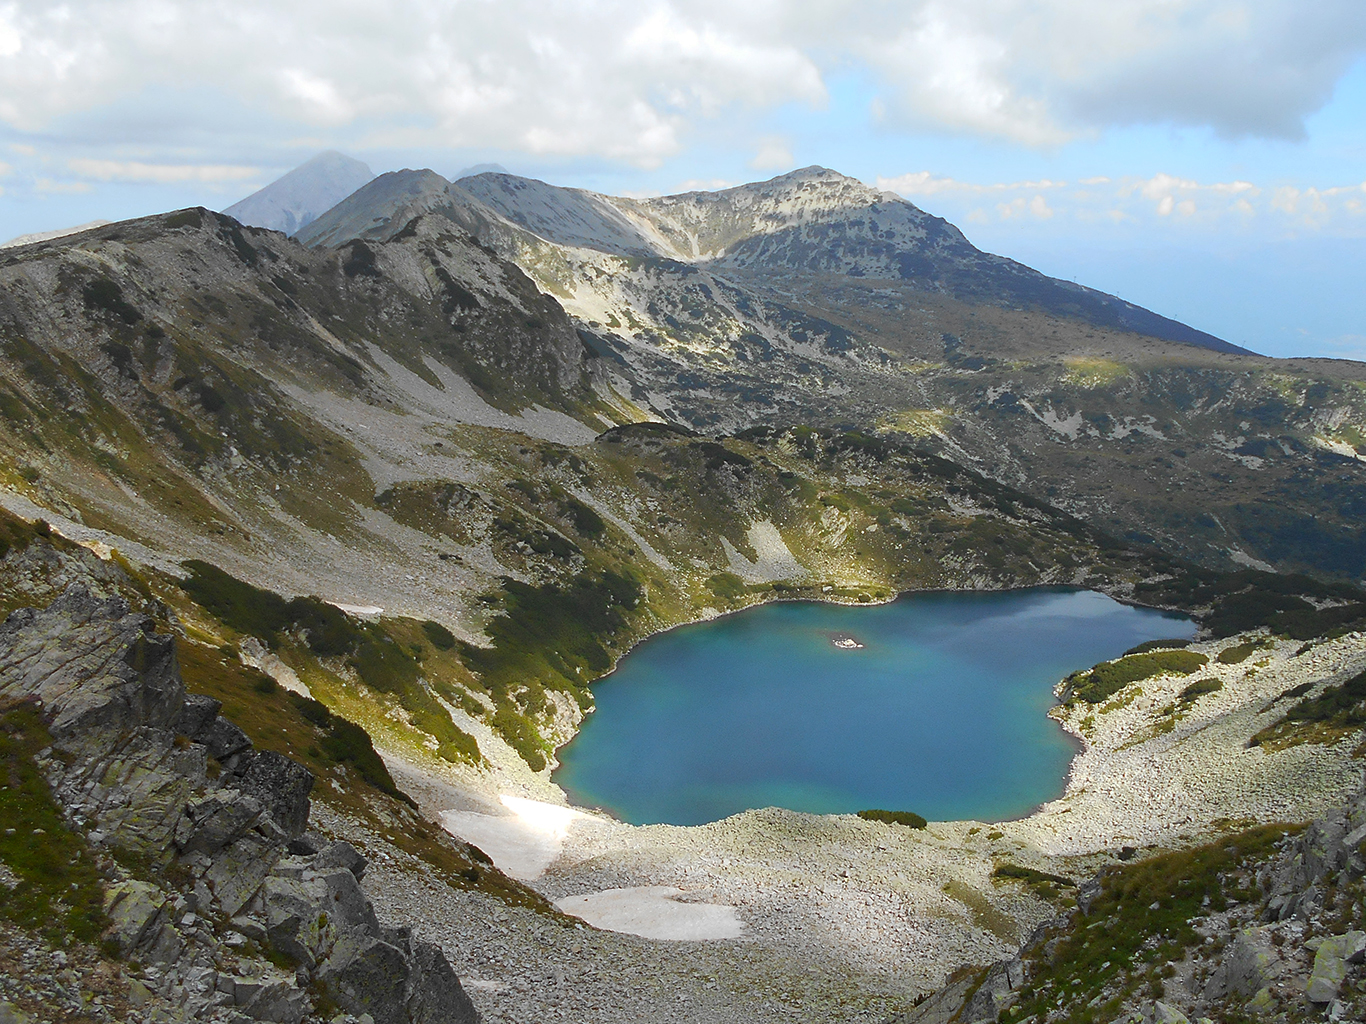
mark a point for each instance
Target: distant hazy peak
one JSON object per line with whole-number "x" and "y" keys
{"x": 470, "y": 172}
{"x": 294, "y": 200}
{"x": 47, "y": 236}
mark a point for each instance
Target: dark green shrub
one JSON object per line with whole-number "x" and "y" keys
{"x": 1295, "y": 691}
{"x": 346, "y": 742}
{"x": 1340, "y": 705}
{"x": 585, "y": 520}
{"x": 440, "y": 637}
{"x": 1025, "y": 874}
{"x": 726, "y": 585}
{"x": 328, "y": 630}
{"x": 521, "y": 736}
{"x": 16, "y": 534}
{"x": 383, "y": 665}
{"x": 238, "y": 605}
{"x": 360, "y": 261}
{"x": 1145, "y": 915}
{"x": 463, "y": 747}
{"x": 1201, "y": 687}
{"x": 1238, "y": 653}
{"x": 908, "y": 818}
{"x": 104, "y": 294}
{"x": 59, "y": 891}
{"x": 554, "y": 630}
{"x": 1107, "y": 679}
{"x": 1155, "y": 645}
{"x": 184, "y": 219}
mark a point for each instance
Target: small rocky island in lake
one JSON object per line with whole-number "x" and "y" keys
{"x": 845, "y": 642}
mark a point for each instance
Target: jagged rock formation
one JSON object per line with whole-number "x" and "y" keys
{"x": 165, "y": 781}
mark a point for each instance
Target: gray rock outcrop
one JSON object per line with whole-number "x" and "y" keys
{"x": 129, "y": 762}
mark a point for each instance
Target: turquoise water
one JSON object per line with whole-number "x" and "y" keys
{"x": 941, "y": 712}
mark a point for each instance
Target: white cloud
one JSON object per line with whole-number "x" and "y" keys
{"x": 1036, "y": 207}
{"x": 48, "y": 186}
{"x": 1162, "y": 198}
{"x": 10, "y": 40}
{"x": 923, "y": 183}
{"x": 774, "y": 154}
{"x": 634, "y": 82}
{"x": 125, "y": 170}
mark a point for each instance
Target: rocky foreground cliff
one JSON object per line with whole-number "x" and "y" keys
{"x": 218, "y": 898}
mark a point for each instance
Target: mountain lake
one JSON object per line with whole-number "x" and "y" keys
{"x": 935, "y": 703}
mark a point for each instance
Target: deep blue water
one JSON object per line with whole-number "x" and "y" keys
{"x": 942, "y": 712}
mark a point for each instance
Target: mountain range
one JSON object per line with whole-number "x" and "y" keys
{"x": 403, "y": 475}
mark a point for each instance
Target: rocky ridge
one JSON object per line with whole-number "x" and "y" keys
{"x": 812, "y": 298}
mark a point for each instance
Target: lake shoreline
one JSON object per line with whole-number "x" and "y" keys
{"x": 936, "y": 673}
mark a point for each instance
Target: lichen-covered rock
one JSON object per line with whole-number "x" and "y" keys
{"x": 296, "y": 921}
{"x": 1328, "y": 846}
{"x": 1330, "y": 965}
{"x": 271, "y": 997}
{"x": 1245, "y": 966}
{"x": 942, "y": 1006}
{"x": 98, "y": 670}
{"x": 434, "y": 992}
{"x": 1162, "y": 1013}
{"x": 238, "y": 870}
{"x": 367, "y": 975}
{"x": 197, "y": 717}
{"x": 224, "y": 739}
{"x": 139, "y": 921}
{"x": 213, "y": 821}
{"x": 996, "y": 992}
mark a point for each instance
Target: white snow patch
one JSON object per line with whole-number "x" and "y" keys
{"x": 364, "y": 611}
{"x": 523, "y": 842}
{"x": 653, "y": 912}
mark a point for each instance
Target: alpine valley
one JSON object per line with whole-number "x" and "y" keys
{"x": 314, "y": 544}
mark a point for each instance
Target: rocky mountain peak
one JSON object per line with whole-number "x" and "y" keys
{"x": 392, "y": 198}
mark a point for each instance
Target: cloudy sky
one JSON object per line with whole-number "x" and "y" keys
{"x": 1206, "y": 158}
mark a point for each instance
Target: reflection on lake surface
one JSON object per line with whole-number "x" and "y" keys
{"x": 941, "y": 710}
